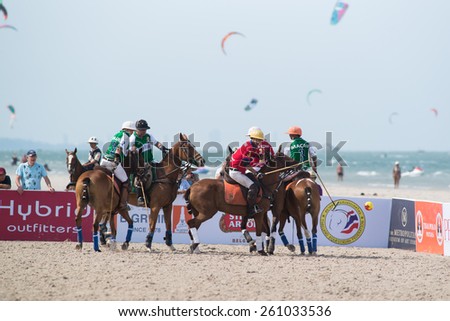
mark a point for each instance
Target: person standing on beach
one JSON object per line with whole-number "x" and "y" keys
{"x": 95, "y": 154}
{"x": 396, "y": 174}
{"x": 29, "y": 174}
{"x": 340, "y": 172}
{"x": 112, "y": 160}
{"x": 5, "y": 180}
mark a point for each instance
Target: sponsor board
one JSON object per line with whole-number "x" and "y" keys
{"x": 222, "y": 228}
{"x": 41, "y": 216}
{"x": 347, "y": 223}
{"x": 402, "y": 233}
{"x": 429, "y": 227}
{"x": 446, "y": 228}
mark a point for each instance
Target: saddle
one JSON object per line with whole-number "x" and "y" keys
{"x": 235, "y": 193}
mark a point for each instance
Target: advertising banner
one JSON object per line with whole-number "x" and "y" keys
{"x": 41, "y": 216}
{"x": 220, "y": 229}
{"x": 446, "y": 228}
{"x": 347, "y": 222}
{"x": 402, "y": 233}
{"x": 429, "y": 227}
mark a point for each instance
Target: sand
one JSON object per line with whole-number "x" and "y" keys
{"x": 56, "y": 271}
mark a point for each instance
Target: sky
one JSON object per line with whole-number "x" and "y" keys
{"x": 76, "y": 69}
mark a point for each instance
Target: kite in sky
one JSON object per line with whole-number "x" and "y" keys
{"x": 12, "y": 118}
{"x": 228, "y": 36}
{"x": 310, "y": 93}
{"x": 251, "y": 105}
{"x": 390, "y": 117}
{"x": 8, "y": 26}
{"x": 435, "y": 111}
{"x": 338, "y": 12}
{"x": 3, "y": 9}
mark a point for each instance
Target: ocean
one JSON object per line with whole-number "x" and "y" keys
{"x": 373, "y": 169}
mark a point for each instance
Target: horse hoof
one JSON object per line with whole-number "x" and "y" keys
{"x": 172, "y": 248}
{"x": 193, "y": 247}
{"x": 98, "y": 250}
{"x": 302, "y": 253}
{"x": 262, "y": 253}
{"x": 125, "y": 246}
{"x": 270, "y": 252}
{"x": 197, "y": 250}
{"x": 252, "y": 248}
{"x": 291, "y": 247}
{"x": 79, "y": 246}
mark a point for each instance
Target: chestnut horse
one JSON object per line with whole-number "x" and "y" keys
{"x": 75, "y": 170}
{"x": 206, "y": 197}
{"x": 302, "y": 197}
{"x": 163, "y": 190}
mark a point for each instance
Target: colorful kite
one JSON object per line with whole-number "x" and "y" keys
{"x": 12, "y": 118}
{"x": 390, "y": 117}
{"x": 435, "y": 111}
{"x": 8, "y": 26}
{"x": 3, "y": 9}
{"x": 228, "y": 36}
{"x": 338, "y": 12}
{"x": 310, "y": 93}
{"x": 251, "y": 105}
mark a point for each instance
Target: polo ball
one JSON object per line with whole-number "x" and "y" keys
{"x": 368, "y": 206}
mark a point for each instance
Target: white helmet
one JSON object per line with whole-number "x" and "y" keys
{"x": 129, "y": 125}
{"x": 251, "y": 129}
{"x": 93, "y": 140}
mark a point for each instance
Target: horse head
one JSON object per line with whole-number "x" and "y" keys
{"x": 71, "y": 161}
{"x": 143, "y": 177}
{"x": 184, "y": 150}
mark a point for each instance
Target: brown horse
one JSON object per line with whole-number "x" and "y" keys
{"x": 302, "y": 197}
{"x": 206, "y": 197}
{"x": 75, "y": 169}
{"x": 163, "y": 190}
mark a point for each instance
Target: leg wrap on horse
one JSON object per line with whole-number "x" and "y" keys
{"x": 129, "y": 233}
{"x": 309, "y": 243}
{"x": 247, "y": 236}
{"x": 314, "y": 242}
{"x": 252, "y": 194}
{"x": 149, "y": 240}
{"x": 194, "y": 233}
{"x": 95, "y": 239}
{"x": 259, "y": 244}
{"x": 284, "y": 239}
{"x": 168, "y": 238}
{"x": 79, "y": 235}
{"x": 301, "y": 242}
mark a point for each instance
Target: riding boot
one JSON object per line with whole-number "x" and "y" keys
{"x": 123, "y": 205}
{"x": 252, "y": 208}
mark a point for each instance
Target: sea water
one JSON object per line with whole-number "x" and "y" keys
{"x": 372, "y": 169}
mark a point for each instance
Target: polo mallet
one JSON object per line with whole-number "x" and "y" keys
{"x": 320, "y": 179}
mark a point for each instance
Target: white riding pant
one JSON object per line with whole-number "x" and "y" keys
{"x": 117, "y": 169}
{"x": 241, "y": 178}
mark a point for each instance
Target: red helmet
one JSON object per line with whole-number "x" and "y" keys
{"x": 294, "y": 130}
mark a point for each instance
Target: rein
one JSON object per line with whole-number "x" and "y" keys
{"x": 284, "y": 168}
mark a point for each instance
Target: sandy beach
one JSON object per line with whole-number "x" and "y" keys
{"x": 56, "y": 271}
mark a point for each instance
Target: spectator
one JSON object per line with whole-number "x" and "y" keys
{"x": 5, "y": 180}
{"x": 340, "y": 172}
{"x": 29, "y": 174}
{"x": 396, "y": 174}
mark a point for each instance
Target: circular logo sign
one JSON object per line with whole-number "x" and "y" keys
{"x": 344, "y": 223}
{"x": 419, "y": 226}
{"x": 439, "y": 234}
{"x": 404, "y": 217}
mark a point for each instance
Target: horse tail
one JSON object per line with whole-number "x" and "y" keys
{"x": 190, "y": 208}
{"x": 85, "y": 191}
{"x": 308, "y": 192}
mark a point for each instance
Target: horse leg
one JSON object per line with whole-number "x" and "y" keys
{"x": 103, "y": 230}
{"x": 307, "y": 233}
{"x": 247, "y": 236}
{"x": 260, "y": 235}
{"x": 266, "y": 229}
{"x": 113, "y": 232}
{"x": 283, "y": 218}
{"x": 194, "y": 224}
{"x": 168, "y": 219}
{"x": 301, "y": 241}
{"x": 78, "y": 222}
{"x": 154, "y": 211}
{"x": 315, "y": 221}
{"x": 95, "y": 236}
{"x": 271, "y": 246}
{"x": 126, "y": 216}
